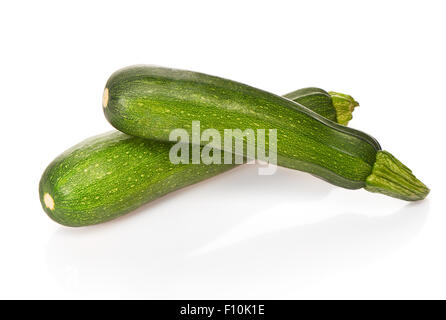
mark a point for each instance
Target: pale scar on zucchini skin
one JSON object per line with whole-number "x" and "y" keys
{"x": 49, "y": 201}
{"x": 105, "y": 97}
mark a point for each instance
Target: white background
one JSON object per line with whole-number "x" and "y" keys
{"x": 238, "y": 235}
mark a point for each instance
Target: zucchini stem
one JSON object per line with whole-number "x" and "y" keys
{"x": 344, "y": 105}
{"x": 390, "y": 177}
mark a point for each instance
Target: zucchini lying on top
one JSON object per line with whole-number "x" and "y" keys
{"x": 111, "y": 174}
{"x": 151, "y": 101}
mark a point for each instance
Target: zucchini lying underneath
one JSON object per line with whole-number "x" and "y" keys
{"x": 111, "y": 174}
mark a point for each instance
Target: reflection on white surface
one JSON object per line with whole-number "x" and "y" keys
{"x": 234, "y": 236}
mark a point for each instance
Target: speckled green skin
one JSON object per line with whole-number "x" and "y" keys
{"x": 150, "y": 101}
{"x": 111, "y": 174}
{"x": 315, "y": 99}
{"x": 108, "y": 175}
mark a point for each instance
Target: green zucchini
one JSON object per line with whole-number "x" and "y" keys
{"x": 151, "y": 101}
{"x": 111, "y": 174}
{"x": 108, "y": 175}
